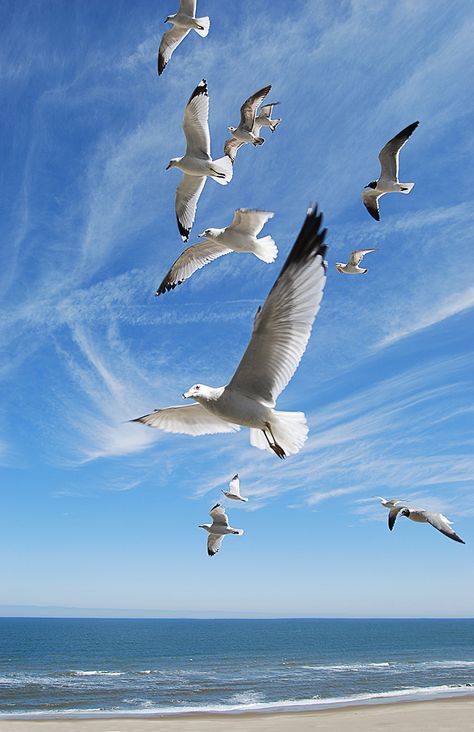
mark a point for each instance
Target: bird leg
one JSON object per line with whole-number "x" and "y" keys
{"x": 273, "y": 445}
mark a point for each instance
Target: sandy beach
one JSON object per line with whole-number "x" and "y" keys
{"x": 446, "y": 715}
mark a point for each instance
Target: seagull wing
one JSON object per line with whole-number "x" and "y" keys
{"x": 169, "y": 42}
{"x": 218, "y": 515}
{"x": 231, "y": 146}
{"x": 191, "y": 419}
{"x": 371, "y": 202}
{"x": 214, "y": 543}
{"x": 188, "y": 7}
{"x": 234, "y": 486}
{"x": 392, "y": 516}
{"x": 282, "y": 327}
{"x": 389, "y": 154}
{"x": 195, "y": 123}
{"x": 267, "y": 110}
{"x": 441, "y": 523}
{"x": 357, "y": 257}
{"x": 248, "y": 110}
{"x": 187, "y": 197}
{"x": 250, "y": 221}
{"x": 192, "y": 259}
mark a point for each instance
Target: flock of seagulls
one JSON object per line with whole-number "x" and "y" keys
{"x": 282, "y": 326}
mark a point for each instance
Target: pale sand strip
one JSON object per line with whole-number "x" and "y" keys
{"x": 443, "y": 715}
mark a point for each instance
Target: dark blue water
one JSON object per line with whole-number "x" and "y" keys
{"x": 84, "y": 666}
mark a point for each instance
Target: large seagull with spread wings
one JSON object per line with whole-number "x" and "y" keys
{"x": 281, "y": 331}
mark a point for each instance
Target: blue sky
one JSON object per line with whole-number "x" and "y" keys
{"x": 101, "y": 514}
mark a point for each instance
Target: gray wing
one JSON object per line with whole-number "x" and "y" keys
{"x": 191, "y": 419}
{"x": 371, "y": 202}
{"x": 188, "y": 7}
{"x": 282, "y": 327}
{"x": 195, "y": 123}
{"x": 231, "y": 146}
{"x": 218, "y": 515}
{"x": 187, "y": 197}
{"x": 214, "y": 543}
{"x": 250, "y": 221}
{"x": 357, "y": 257}
{"x": 267, "y": 110}
{"x": 441, "y": 523}
{"x": 192, "y": 259}
{"x": 389, "y": 154}
{"x": 392, "y": 516}
{"x": 248, "y": 110}
{"x": 170, "y": 40}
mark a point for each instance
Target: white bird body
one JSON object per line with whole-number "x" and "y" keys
{"x": 183, "y": 22}
{"x": 388, "y": 181}
{"x": 281, "y": 331}
{"x": 240, "y": 236}
{"x": 419, "y": 516}
{"x": 234, "y": 490}
{"x": 196, "y": 164}
{"x": 352, "y": 266}
{"x": 218, "y": 529}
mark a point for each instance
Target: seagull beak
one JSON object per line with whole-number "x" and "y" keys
{"x": 186, "y": 395}
{"x": 201, "y": 236}
{"x": 168, "y": 166}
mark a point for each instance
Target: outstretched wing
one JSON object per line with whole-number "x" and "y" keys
{"x": 283, "y": 326}
{"x": 392, "y": 516}
{"x": 192, "y": 259}
{"x": 187, "y": 197}
{"x": 218, "y": 515}
{"x": 170, "y": 40}
{"x": 371, "y": 202}
{"x": 267, "y": 110}
{"x": 389, "y": 154}
{"x": 358, "y": 256}
{"x": 214, "y": 543}
{"x": 234, "y": 486}
{"x": 248, "y": 110}
{"x": 188, "y": 7}
{"x": 250, "y": 221}
{"x": 190, "y": 419}
{"x": 441, "y": 523}
{"x": 195, "y": 123}
{"x": 231, "y": 146}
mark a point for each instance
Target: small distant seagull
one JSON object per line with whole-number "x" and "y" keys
{"x": 264, "y": 118}
{"x": 240, "y": 236}
{"x": 234, "y": 490}
{"x": 419, "y": 515}
{"x": 388, "y": 181}
{"x": 281, "y": 331}
{"x": 183, "y": 21}
{"x": 245, "y": 132}
{"x": 218, "y": 529}
{"x": 352, "y": 266}
{"x": 197, "y": 163}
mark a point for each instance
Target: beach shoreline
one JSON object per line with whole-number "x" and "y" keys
{"x": 453, "y": 714}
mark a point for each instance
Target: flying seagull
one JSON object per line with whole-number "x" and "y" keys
{"x": 264, "y": 118}
{"x": 240, "y": 236}
{"x": 281, "y": 331}
{"x": 352, "y": 266}
{"x": 234, "y": 490}
{"x": 183, "y": 21}
{"x": 440, "y": 522}
{"x": 388, "y": 181}
{"x": 197, "y": 163}
{"x": 245, "y": 132}
{"x": 218, "y": 529}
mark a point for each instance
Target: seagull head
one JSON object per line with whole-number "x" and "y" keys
{"x": 372, "y": 184}
{"x": 169, "y": 19}
{"x": 232, "y": 130}
{"x": 405, "y": 512}
{"x": 173, "y": 163}
{"x": 206, "y": 527}
{"x": 195, "y": 392}
{"x": 209, "y": 233}
{"x": 339, "y": 266}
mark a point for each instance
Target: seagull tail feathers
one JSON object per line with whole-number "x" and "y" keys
{"x": 238, "y": 532}
{"x": 224, "y": 169}
{"x": 266, "y": 249}
{"x": 290, "y": 431}
{"x": 204, "y": 24}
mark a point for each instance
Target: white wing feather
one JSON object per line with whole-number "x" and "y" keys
{"x": 192, "y": 259}
{"x": 190, "y": 419}
{"x": 250, "y": 221}
{"x": 195, "y": 123}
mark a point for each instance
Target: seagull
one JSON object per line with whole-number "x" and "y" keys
{"x": 197, "y": 163}
{"x": 183, "y": 21}
{"x": 234, "y": 490}
{"x": 240, "y": 236}
{"x": 421, "y": 516}
{"x": 388, "y": 181}
{"x": 352, "y": 266}
{"x": 281, "y": 331}
{"x": 218, "y": 529}
{"x": 264, "y": 118}
{"x": 245, "y": 132}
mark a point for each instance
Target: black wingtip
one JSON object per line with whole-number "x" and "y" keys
{"x": 216, "y": 506}
{"x": 183, "y": 231}
{"x": 310, "y": 241}
{"x": 161, "y": 65}
{"x": 200, "y": 89}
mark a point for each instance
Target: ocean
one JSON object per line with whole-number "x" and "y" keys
{"x": 73, "y": 667}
